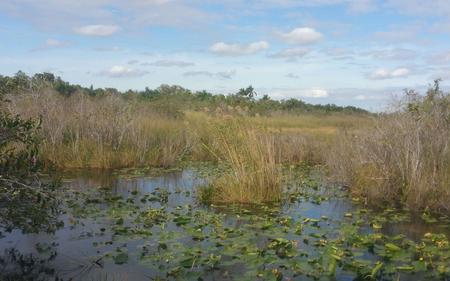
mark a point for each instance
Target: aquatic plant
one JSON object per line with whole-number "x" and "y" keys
{"x": 267, "y": 244}
{"x": 252, "y": 173}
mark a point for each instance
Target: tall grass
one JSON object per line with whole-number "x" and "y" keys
{"x": 112, "y": 131}
{"x": 399, "y": 158}
{"x": 103, "y": 132}
{"x": 404, "y": 158}
{"x": 253, "y": 174}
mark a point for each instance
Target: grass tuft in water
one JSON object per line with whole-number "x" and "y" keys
{"x": 252, "y": 173}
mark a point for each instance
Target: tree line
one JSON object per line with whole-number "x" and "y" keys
{"x": 177, "y": 97}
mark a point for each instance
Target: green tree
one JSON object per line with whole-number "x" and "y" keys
{"x": 248, "y": 93}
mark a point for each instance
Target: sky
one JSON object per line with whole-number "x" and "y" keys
{"x": 347, "y": 52}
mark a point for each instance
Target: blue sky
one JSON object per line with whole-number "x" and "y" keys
{"x": 348, "y": 52}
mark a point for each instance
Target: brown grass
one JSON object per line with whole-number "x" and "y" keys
{"x": 103, "y": 132}
{"x": 250, "y": 154}
{"x": 399, "y": 158}
{"x": 404, "y": 158}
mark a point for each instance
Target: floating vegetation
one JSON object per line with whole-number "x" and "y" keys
{"x": 164, "y": 233}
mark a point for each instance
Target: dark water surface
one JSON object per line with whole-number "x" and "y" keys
{"x": 89, "y": 248}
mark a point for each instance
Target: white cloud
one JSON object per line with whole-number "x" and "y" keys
{"x": 338, "y": 52}
{"x": 362, "y": 6}
{"x": 315, "y": 93}
{"x": 302, "y": 36}
{"x": 420, "y": 7}
{"x": 170, "y": 63}
{"x": 443, "y": 74}
{"x": 225, "y": 49}
{"x": 439, "y": 59}
{"x": 54, "y": 43}
{"x": 298, "y": 3}
{"x": 97, "y": 30}
{"x": 268, "y": 4}
{"x": 167, "y": 13}
{"x": 119, "y": 71}
{"x": 392, "y": 54}
{"x": 66, "y": 14}
{"x": 400, "y": 33}
{"x": 108, "y": 49}
{"x": 360, "y": 97}
{"x": 220, "y": 74}
{"x": 51, "y": 44}
{"x": 381, "y": 73}
{"x": 441, "y": 26}
{"x": 291, "y": 54}
{"x": 299, "y": 93}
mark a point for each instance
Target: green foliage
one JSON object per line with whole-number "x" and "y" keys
{"x": 18, "y": 145}
{"x": 247, "y": 93}
{"x": 205, "y": 194}
{"x": 26, "y": 202}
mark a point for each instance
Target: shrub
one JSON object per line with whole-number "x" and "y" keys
{"x": 26, "y": 201}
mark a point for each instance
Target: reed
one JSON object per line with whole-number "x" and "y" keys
{"x": 400, "y": 157}
{"x": 253, "y": 173}
{"x": 103, "y": 132}
{"x": 403, "y": 158}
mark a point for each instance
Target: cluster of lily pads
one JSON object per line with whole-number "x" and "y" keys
{"x": 191, "y": 241}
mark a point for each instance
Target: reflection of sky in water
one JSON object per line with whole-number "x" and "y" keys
{"x": 75, "y": 249}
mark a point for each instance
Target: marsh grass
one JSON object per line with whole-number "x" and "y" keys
{"x": 253, "y": 173}
{"x": 312, "y": 123}
{"x": 103, "y": 132}
{"x": 403, "y": 158}
{"x": 110, "y": 131}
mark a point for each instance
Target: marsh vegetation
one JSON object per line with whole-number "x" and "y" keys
{"x": 264, "y": 189}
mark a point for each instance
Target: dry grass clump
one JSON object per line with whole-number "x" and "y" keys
{"x": 404, "y": 158}
{"x": 254, "y": 174}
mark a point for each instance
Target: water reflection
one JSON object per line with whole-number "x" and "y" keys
{"x": 16, "y": 266}
{"x": 77, "y": 258}
{"x": 69, "y": 253}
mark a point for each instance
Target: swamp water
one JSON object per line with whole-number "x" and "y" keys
{"x": 140, "y": 227}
